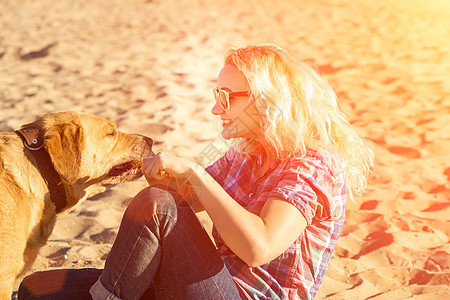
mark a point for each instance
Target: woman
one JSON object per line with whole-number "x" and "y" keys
{"x": 276, "y": 198}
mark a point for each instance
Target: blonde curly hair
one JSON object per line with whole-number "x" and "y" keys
{"x": 299, "y": 111}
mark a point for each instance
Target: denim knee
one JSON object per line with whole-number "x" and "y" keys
{"x": 151, "y": 202}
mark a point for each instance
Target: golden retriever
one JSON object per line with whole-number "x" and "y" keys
{"x": 87, "y": 152}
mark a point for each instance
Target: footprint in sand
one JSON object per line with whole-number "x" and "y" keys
{"x": 138, "y": 103}
{"x": 369, "y": 205}
{"x": 43, "y": 52}
{"x": 161, "y": 93}
{"x": 423, "y": 277}
{"x": 107, "y": 236}
{"x": 438, "y": 262}
{"x": 58, "y": 258}
{"x": 157, "y": 129}
{"x": 447, "y": 173}
{"x": 374, "y": 241}
{"x": 437, "y": 206}
{"x": 405, "y": 151}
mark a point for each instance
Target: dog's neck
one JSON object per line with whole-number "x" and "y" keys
{"x": 33, "y": 141}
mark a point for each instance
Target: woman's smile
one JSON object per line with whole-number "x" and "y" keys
{"x": 225, "y": 123}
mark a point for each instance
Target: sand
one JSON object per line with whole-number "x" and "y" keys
{"x": 150, "y": 66}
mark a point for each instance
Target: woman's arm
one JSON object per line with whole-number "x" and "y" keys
{"x": 256, "y": 239}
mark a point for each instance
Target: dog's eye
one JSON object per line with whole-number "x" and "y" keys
{"x": 112, "y": 134}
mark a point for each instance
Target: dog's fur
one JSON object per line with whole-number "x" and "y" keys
{"x": 88, "y": 153}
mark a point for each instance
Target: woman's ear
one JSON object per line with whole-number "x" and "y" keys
{"x": 65, "y": 143}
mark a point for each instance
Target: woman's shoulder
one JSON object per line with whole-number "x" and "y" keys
{"x": 313, "y": 161}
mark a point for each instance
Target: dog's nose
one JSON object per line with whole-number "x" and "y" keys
{"x": 147, "y": 151}
{"x": 148, "y": 140}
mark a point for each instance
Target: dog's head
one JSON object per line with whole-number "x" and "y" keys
{"x": 89, "y": 153}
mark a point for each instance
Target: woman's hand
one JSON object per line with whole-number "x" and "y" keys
{"x": 174, "y": 172}
{"x": 162, "y": 166}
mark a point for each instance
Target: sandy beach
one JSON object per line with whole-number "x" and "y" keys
{"x": 149, "y": 66}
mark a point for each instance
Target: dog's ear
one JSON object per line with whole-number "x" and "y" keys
{"x": 65, "y": 143}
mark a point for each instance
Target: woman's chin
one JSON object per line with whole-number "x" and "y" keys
{"x": 226, "y": 135}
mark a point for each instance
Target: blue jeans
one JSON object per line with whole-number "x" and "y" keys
{"x": 161, "y": 252}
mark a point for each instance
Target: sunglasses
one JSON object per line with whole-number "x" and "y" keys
{"x": 224, "y": 96}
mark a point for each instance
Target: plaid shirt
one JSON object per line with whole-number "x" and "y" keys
{"x": 312, "y": 185}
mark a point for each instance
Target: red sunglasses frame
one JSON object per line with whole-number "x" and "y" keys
{"x": 228, "y": 95}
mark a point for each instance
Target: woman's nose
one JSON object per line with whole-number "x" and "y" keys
{"x": 217, "y": 109}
